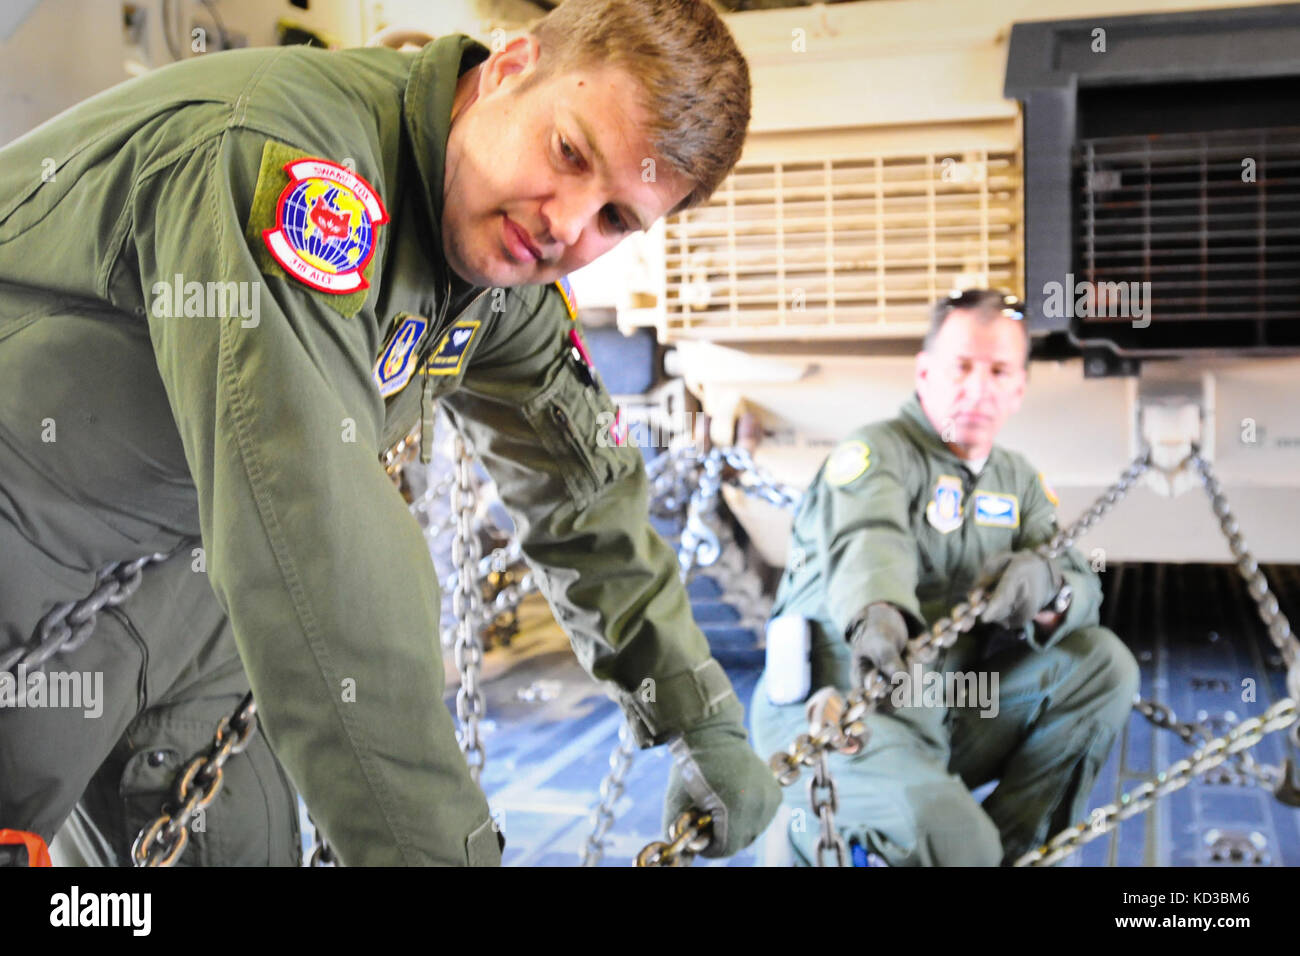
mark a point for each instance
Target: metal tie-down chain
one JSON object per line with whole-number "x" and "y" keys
{"x": 162, "y": 842}
{"x": 68, "y": 624}
{"x": 1104, "y": 819}
{"x": 471, "y": 705}
{"x": 850, "y": 731}
{"x": 671, "y": 476}
{"x": 611, "y": 790}
{"x": 1211, "y": 753}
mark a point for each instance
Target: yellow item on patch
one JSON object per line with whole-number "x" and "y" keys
{"x": 848, "y": 462}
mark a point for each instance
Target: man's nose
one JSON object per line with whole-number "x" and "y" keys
{"x": 568, "y": 213}
{"x": 979, "y": 382}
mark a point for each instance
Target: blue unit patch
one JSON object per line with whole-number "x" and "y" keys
{"x": 944, "y": 510}
{"x": 397, "y": 361}
{"x": 449, "y": 354}
{"x": 997, "y": 510}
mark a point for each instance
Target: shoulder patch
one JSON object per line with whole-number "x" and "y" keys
{"x": 570, "y": 301}
{"x": 317, "y": 222}
{"x": 1049, "y": 491}
{"x": 848, "y": 462}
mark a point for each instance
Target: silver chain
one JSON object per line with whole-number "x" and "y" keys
{"x": 611, "y": 790}
{"x": 471, "y": 705}
{"x": 850, "y": 730}
{"x": 507, "y": 599}
{"x": 68, "y": 624}
{"x": 1196, "y": 735}
{"x": 1179, "y": 774}
{"x": 1104, "y": 819}
{"x": 1275, "y": 622}
{"x": 824, "y": 797}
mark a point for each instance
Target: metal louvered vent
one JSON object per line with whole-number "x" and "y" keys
{"x": 842, "y": 248}
{"x": 1211, "y": 220}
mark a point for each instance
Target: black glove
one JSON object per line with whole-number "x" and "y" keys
{"x": 877, "y": 638}
{"x": 1023, "y": 583}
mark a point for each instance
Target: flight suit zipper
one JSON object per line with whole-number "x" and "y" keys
{"x": 428, "y": 408}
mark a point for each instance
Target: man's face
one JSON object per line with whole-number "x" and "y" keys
{"x": 972, "y": 379}
{"x": 541, "y": 182}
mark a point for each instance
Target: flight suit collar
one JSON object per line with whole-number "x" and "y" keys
{"x": 918, "y": 426}
{"x": 426, "y": 109}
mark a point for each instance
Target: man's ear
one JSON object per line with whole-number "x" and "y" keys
{"x": 922, "y": 368}
{"x": 508, "y": 64}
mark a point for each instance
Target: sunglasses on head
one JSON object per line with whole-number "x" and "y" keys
{"x": 1012, "y": 307}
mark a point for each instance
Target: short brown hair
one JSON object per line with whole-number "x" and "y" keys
{"x": 985, "y": 304}
{"x": 695, "y": 78}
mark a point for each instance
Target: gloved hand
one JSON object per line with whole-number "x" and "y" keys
{"x": 1022, "y": 582}
{"x": 715, "y": 770}
{"x": 876, "y": 639}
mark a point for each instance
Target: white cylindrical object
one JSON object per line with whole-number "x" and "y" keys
{"x": 789, "y": 669}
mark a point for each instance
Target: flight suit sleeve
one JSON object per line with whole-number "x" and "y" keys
{"x": 580, "y": 505}
{"x": 1038, "y": 524}
{"x": 866, "y": 543}
{"x": 326, "y": 579}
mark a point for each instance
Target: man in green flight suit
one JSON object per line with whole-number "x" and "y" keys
{"x": 225, "y": 289}
{"x": 903, "y": 519}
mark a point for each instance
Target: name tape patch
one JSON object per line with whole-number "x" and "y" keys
{"x": 449, "y": 354}
{"x": 997, "y": 510}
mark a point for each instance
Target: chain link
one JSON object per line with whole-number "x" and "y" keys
{"x": 611, "y": 790}
{"x": 69, "y": 624}
{"x": 1275, "y": 622}
{"x": 850, "y": 728}
{"x": 471, "y": 704}
{"x": 1179, "y": 774}
{"x": 1195, "y": 735}
{"x": 162, "y": 842}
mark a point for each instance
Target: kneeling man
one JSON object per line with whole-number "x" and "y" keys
{"x": 903, "y": 519}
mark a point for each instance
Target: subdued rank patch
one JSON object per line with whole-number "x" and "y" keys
{"x": 847, "y": 462}
{"x": 397, "y": 361}
{"x": 326, "y": 222}
{"x": 570, "y": 300}
{"x": 997, "y": 510}
{"x": 944, "y": 510}
{"x": 1049, "y": 491}
{"x": 449, "y": 354}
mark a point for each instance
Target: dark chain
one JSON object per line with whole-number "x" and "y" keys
{"x": 69, "y": 623}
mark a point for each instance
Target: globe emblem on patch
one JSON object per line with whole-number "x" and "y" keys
{"x": 325, "y": 225}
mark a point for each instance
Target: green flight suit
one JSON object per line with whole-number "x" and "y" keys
{"x": 894, "y": 516}
{"x": 261, "y": 434}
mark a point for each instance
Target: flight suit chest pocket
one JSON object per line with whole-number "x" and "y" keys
{"x": 575, "y": 422}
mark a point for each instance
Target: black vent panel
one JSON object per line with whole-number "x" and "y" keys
{"x": 1204, "y": 227}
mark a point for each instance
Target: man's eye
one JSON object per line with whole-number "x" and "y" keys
{"x": 614, "y": 219}
{"x": 569, "y": 153}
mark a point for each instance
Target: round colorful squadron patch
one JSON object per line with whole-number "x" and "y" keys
{"x": 847, "y": 462}
{"x": 325, "y": 225}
